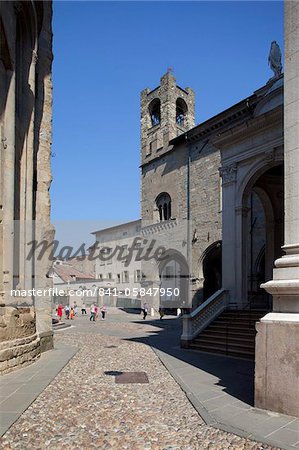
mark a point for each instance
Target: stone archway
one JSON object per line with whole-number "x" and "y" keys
{"x": 211, "y": 261}
{"x": 262, "y": 233}
{"x": 174, "y": 275}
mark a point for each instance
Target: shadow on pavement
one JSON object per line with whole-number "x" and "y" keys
{"x": 235, "y": 376}
{"x": 131, "y": 310}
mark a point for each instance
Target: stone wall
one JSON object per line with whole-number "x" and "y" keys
{"x": 25, "y": 128}
{"x": 19, "y": 342}
{"x": 170, "y": 174}
{"x": 188, "y": 172}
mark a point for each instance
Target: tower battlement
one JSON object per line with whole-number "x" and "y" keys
{"x": 166, "y": 112}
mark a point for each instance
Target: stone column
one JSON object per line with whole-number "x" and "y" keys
{"x": 229, "y": 175}
{"x": 277, "y": 342}
{"x": 44, "y": 231}
{"x": 8, "y": 190}
{"x": 28, "y": 264}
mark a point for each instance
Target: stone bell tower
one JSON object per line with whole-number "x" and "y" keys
{"x": 166, "y": 112}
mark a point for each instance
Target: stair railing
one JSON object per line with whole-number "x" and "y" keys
{"x": 201, "y": 317}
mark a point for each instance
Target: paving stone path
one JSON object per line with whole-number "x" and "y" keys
{"x": 83, "y": 408}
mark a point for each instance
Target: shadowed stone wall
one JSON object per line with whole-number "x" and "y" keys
{"x": 25, "y": 178}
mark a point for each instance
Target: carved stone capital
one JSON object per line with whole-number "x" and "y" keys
{"x": 228, "y": 173}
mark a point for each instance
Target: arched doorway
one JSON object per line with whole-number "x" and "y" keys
{"x": 262, "y": 233}
{"x": 212, "y": 269}
{"x": 174, "y": 281}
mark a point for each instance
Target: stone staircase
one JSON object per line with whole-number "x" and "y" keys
{"x": 232, "y": 333}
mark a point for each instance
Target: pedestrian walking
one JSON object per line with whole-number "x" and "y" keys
{"x": 92, "y": 313}
{"x": 103, "y": 311}
{"x": 75, "y": 309}
{"x": 162, "y": 313}
{"x": 67, "y": 311}
{"x": 83, "y": 309}
{"x": 72, "y": 313}
{"x": 145, "y": 310}
{"x": 59, "y": 311}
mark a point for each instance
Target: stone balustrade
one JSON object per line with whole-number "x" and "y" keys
{"x": 195, "y": 322}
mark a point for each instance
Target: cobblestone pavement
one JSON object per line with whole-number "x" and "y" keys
{"x": 83, "y": 408}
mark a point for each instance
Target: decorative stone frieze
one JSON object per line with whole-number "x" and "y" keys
{"x": 228, "y": 173}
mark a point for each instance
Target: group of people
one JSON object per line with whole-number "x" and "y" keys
{"x": 145, "y": 308}
{"x": 72, "y": 311}
{"x": 94, "y": 311}
{"x": 69, "y": 311}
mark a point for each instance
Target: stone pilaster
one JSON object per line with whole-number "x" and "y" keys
{"x": 43, "y": 229}
{"x": 8, "y": 173}
{"x": 277, "y": 342}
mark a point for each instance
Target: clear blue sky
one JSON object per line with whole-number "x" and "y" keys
{"x": 105, "y": 53}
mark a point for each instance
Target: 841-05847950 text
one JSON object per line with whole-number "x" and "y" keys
{"x": 140, "y": 292}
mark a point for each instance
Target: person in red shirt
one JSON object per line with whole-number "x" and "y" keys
{"x": 59, "y": 311}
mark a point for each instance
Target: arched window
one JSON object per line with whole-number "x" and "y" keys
{"x": 181, "y": 111}
{"x": 155, "y": 111}
{"x": 163, "y": 203}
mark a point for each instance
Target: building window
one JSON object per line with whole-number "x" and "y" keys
{"x": 155, "y": 112}
{"x": 118, "y": 277}
{"x": 100, "y": 276}
{"x": 125, "y": 276}
{"x": 109, "y": 276}
{"x": 181, "y": 112}
{"x": 137, "y": 276}
{"x": 163, "y": 203}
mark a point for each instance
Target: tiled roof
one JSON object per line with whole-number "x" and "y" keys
{"x": 68, "y": 273}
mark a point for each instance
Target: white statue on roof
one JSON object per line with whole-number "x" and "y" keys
{"x": 274, "y": 59}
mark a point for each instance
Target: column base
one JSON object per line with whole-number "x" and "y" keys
{"x": 46, "y": 341}
{"x": 285, "y": 284}
{"x": 276, "y": 363}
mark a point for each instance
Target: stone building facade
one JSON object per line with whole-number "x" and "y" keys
{"x": 25, "y": 129}
{"x": 118, "y": 274}
{"x": 277, "y": 342}
{"x": 224, "y": 178}
{"x": 234, "y": 180}
{"x": 179, "y": 182}
{"x": 72, "y": 286}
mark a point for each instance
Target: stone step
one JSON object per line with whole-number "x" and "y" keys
{"x": 60, "y": 325}
{"x": 217, "y": 327}
{"x": 217, "y": 337}
{"x": 232, "y": 333}
{"x": 238, "y": 353}
{"x": 223, "y": 342}
{"x": 235, "y": 324}
{"x": 241, "y": 317}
